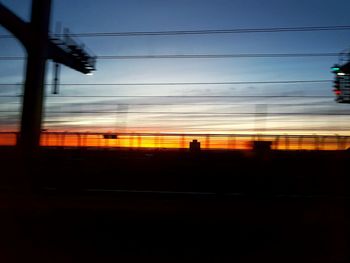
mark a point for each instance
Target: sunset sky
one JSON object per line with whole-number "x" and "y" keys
{"x": 293, "y": 108}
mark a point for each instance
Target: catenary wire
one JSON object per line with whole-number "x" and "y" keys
{"x": 205, "y": 31}
{"x": 197, "y": 56}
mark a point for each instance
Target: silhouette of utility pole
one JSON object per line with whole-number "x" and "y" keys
{"x": 34, "y": 36}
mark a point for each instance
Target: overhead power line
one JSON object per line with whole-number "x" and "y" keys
{"x": 184, "y": 83}
{"x": 200, "y": 56}
{"x": 208, "y": 56}
{"x": 177, "y": 96}
{"x": 173, "y": 104}
{"x": 193, "y": 113}
{"x": 206, "y": 31}
{"x": 203, "y": 113}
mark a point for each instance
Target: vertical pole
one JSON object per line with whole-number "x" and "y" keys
{"x": 277, "y": 141}
{"x": 232, "y": 140}
{"x": 139, "y": 141}
{"x": 56, "y": 69}
{"x": 207, "y": 142}
{"x": 35, "y": 74}
{"x": 56, "y": 72}
{"x": 300, "y": 142}
{"x": 182, "y": 142}
{"x": 286, "y": 142}
{"x": 260, "y": 118}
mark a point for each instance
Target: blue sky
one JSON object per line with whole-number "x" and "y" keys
{"x": 157, "y": 15}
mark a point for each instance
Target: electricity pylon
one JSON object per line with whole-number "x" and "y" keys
{"x": 34, "y": 36}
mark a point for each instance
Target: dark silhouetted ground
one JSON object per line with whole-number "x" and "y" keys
{"x": 92, "y": 205}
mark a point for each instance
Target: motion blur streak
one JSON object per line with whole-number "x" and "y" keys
{"x": 182, "y": 141}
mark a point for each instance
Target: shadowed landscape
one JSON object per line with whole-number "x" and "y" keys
{"x": 171, "y": 205}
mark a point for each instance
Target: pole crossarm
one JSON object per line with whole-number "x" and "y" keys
{"x": 34, "y": 36}
{"x": 14, "y": 24}
{"x": 76, "y": 58}
{"x": 346, "y": 68}
{"x": 78, "y": 61}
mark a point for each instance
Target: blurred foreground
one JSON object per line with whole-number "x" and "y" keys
{"x": 93, "y": 204}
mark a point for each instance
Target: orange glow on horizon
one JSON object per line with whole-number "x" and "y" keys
{"x": 175, "y": 141}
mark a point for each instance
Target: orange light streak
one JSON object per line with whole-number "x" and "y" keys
{"x": 182, "y": 141}
{"x": 229, "y": 142}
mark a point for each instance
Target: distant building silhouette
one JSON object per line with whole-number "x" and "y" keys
{"x": 195, "y": 146}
